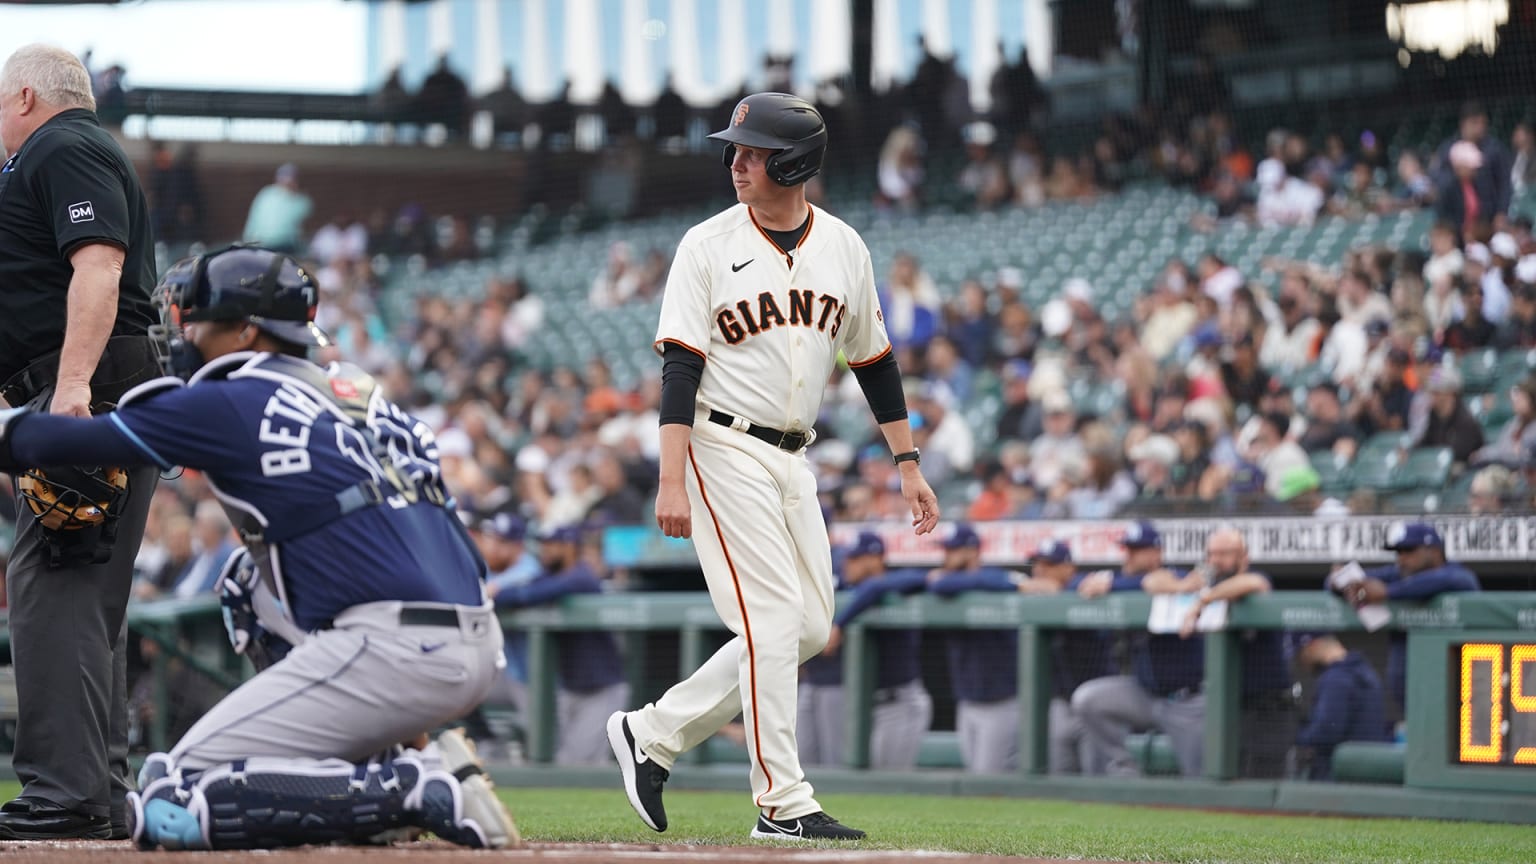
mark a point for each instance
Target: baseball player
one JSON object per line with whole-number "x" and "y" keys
{"x": 592, "y": 684}
{"x": 902, "y": 707}
{"x": 760, "y": 300}
{"x": 983, "y": 664}
{"x": 1165, "y": 691}
{"x": 353, "y": 557}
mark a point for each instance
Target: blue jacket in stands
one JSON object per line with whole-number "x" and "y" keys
{"x": 1423, "y": 585}
{"x": 1346, "y": 706}
{"x": 588, "y": 659}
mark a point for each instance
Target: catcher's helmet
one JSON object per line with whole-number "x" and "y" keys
{"x": 72, "y": 498}
{"x": 244, "y": 283}
{"x": 779, "y": 121}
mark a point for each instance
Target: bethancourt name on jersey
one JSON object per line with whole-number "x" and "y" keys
{"x": 288, "y": 403}
{"x": 803, "y": 312}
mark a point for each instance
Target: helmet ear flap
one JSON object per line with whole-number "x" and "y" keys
{"x": 728, "y": 155}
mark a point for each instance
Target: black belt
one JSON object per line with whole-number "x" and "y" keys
{"x": 127, "y": 361}
{"x": 791, "y": 441}
{"x": 417, "y": 616}
{"x": 414, "y": 616}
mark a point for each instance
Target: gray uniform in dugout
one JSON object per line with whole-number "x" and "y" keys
{"x": 359, "y": 594}
{"x": 77, "y": 266}
{"x": 902, "y": 709}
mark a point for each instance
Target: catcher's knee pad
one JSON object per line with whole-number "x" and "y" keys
{"x": 438, "y": 802}
{"x": 267, "y": 803}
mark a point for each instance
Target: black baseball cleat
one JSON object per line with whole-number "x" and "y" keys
{"x": 39, "y": 819}
{"x": 643, "y": 778}
{"x": 812, "y": 826}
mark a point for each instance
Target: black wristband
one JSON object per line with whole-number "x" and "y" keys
{"x": 910, "y": 456}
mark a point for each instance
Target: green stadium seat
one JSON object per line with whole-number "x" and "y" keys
{"x": 1153, "y": 753}
{"x": 1425, "y": 468}
{"x": 1376, "y": 468}
{"x": 1333, "y": 469}
{"x": 1479, "y": 370}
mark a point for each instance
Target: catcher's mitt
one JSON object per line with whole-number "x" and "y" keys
{"x": 72, "y": 498}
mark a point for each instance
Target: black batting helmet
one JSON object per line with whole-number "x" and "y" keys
{"x": 246, "y": 283}
{"x": 782, "y": 122}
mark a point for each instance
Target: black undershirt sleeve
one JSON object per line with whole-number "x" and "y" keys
{"x": 881, "y": 383}
{"x": 680, "y": 373}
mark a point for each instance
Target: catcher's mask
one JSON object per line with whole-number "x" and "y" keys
{"x": 78, "y": 507}
{"x": 240, "y": 283}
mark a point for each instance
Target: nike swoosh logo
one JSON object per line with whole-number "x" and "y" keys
{"x": 736, "y": 268}
{"x": 640, "y": 757}
{"x": 428, "y": 649}
{"x": 798, "y": 832}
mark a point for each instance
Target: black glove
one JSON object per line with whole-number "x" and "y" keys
{"x": 10, "y": 418}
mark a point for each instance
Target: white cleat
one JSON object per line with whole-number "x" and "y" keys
{"x": 480, "y": 802}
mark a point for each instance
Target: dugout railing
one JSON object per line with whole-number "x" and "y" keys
{"x": 1476, "y": 624}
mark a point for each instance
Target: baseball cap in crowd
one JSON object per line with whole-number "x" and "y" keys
{"x": 1504, "y": 245}
{"x": 1444, "y": 379}
{"x": 961, "y": 537}
{"x": 1141, "y": 535}
{"x": 1377, "y": 327}
{"x": 867, "y": 543}
{"x": 507, "y": 526}
{"x": 1300, "y": 639}
{"x": 1057, "y": 402}
{"x": 561, "y": 534}
{"x": 1052, "y": 552}
{"x": 1157, "y": 448}
{"x": 1405, "y": 536}
{"x": 1466, "y": 154}
{"x": 1477, "y": 253}
{"x": 1298, "y": 480}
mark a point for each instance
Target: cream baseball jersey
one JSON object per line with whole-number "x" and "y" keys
{"x": 770, "y": 325}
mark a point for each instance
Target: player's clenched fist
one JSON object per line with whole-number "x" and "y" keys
{"x": 672, "y": 513}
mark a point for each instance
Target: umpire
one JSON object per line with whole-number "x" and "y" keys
{"x": 76, "y": 271}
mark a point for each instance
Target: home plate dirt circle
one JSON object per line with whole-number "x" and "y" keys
{"x": 434, "y": 852}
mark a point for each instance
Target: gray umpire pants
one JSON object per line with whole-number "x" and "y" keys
{"x": 989, "y": 735}
{"x": 1111, "y": 708}
{"x": 583, "y": 719}
{"x": 69, "y": 646}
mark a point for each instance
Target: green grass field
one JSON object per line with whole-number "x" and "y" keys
{"x": 1030, "y": 827}
{"x": 1047, "y": 829}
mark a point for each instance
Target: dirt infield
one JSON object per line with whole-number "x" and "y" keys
{"x": 123, "y": 852}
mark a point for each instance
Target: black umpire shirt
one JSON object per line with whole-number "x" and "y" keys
{"x": 70, "y": 184}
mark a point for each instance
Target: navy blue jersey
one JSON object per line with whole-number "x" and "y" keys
{"x": 1423, "y": 585}
{"x": 895, "y": 650}
{"x": 983, "y": 664}
{"x": 1163, "y": 664}
{"x": 1347, "y": 705}
{"x": 278, "y": 453}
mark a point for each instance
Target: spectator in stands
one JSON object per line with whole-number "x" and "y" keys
{"x": 444, "y": 98}
{"x": 1359, "y": 301}
{"x": 669, "y": 113}
{"x": 900, "y": 169}
{"x": 902, "y": 708}
{"x": 1389, "y": 402}
{"x": 1519, "y": 330}
{"x": 507, "y": 107}
{"x": 1421, "y": 573}
{"x": 277, "y": 214}
{"x": 1058, "y": 443}
{"x": 1164, "y": 692}
{"x": 984, "y": 177}
{"x": 1347, "y": 702}
{"x": 1154, "y": 461}
{"x": 1493, "y": 490}
{"x": 1241, "y": 375}
{"x": 1466, "y": 197}
{"x": 911, "y": 304}
{"x": 618, "y": 502}
{"x": 1289, "y": 343}
{"x": 212, "y": 542}
{"x": 970, "y": 324}
{"x": 1415, "y": 188}
{"x": 1026, "y": 170}
{"x": 1171, "y": 316}
{"x": 1270, "y": 447}
{"x": 1102, "y": 488}
{"x": 1492, "y": 174}
{"x": 1326, "y": 428}
{"x": 1359, "y": 194}
{"x": 944, "y": 365}
{"x": 1523, "y": 168}
{"x": 1517, "y": 436}
{"x": 1473, "y": 330}
{"x": 591, "y": 672}
{"x": 1449, "y": 423}
{"x": 983, "y": 664}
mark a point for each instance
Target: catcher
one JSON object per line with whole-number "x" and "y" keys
{"x": 360, "y": 586}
